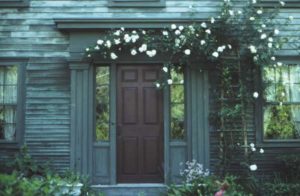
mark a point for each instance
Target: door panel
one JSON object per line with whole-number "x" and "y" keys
{"x": 139, "y": 125}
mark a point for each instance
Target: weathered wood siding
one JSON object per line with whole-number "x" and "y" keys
{"x": 31, "y": 32}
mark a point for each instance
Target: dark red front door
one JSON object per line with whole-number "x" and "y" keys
{"x": 140, "y": 125}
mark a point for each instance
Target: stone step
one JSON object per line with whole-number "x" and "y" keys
{"x": 151, "y": 189}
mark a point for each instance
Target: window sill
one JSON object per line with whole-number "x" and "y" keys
{"x": 136, "y": 4}
{"x": 14, "y": 3}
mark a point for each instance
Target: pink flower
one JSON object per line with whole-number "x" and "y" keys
{"x": 220, "y": 193}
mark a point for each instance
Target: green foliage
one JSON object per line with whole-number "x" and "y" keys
{"x": 289, "y": 167}
{"x": 281, "y": 188}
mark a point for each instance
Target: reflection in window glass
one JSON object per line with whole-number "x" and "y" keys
{"x": 102, "y": 104}
{"x": 282, "y": 106}
{"x": 8, "y": 102}
{"x": 177, "y": 106}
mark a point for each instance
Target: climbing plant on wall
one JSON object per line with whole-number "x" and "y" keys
{"x": 236, "y": 44}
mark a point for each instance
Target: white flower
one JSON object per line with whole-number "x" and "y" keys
{"x": 263, "y": 26}
{"x": 151, "y": 53}
{"x": 252, "y": 18}
{"x": 212, "y": 20}
{"x": 263, "y": 36}
{"x": 202, "y": 42}
{"x": 143, "y": 32}
{"x": 282, "y": 3}
{"x": 133, "y": 52}
{"x": 157, "y": 85}
{"x": 203, "y": 24}
{"x": 177, "y": 42}
{"x": 221, "y": 48}
{"x": 108, "y": 44}
{"x": 187, "y": 52}
{"x": 208, "y": 31}
{"x": 276, "y": 31}
{"x": 177, "y": 32}
{"x": 227, "y": 1}
{"x": 270, "y": 39}
{"x": 117, "y": 41}
{"x": 100, "y": 42}
{"x": 280, "y": 104}
{"x": 134, "y": 38}
{"x": 117, "y": 33}
{"x": 122, "y": 29}
{"x": 255, "y": 95}
{"x": 173, "y": 26}
{"x": 273, "y": 58}
{"x": 87, "y": 49}
{"x": 97, "y": 47}
{"x": 259, "y": 11}
{"x": 231, "y": 12}
{"x": 239, "y": 12}
{"x": 253, "y": 1}
{"x": 253, "y": 167}
{"x": 165, "y": 33}
{"x": 127, "y": 38}
{"x": 291, "y": 18}
{"x": 113, "y": 56}
{"x": 165, "y": 69}
{"x": 181, "y": 81}
{"x": 170, "y": 81}
{"x": 261, "y": 151}
{"x": 270, "y": 45}
{"x": 252, "y": 49}
{"x": 143, "y": 48}
{"x": 279, "y": 64}
{"x": 259, "y": 30}
{"x": 255, "y": 58}
{"x": 282, "y": 94}
{"x": 89, "y": 55}
{"x": 253, "y": 149}
{"x": 180, "y": 28}
{"x": 215, "y": 54}
{"x": 229, "y": 46}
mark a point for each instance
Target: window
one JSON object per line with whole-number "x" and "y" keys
{"x": 136, "y": 3}
{"x": 12, "y": 90}
{"x": 102, "y": 104}
{"x": 14, "y": 3}
{"x": 281, "y": 111}
{"x": 177, "y": 106}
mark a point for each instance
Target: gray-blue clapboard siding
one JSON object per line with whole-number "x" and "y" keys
{"x": 30, "y": 32}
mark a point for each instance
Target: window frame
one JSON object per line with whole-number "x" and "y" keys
{"x": 273, "y": 3}
{"x": 20, "y": 112}
{"x": 259, "y": 112}
{"x": 14, "y": 3}
{"x": 136, "y": 3}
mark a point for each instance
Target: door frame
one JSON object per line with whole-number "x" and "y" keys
{"x": 113, "y": 121}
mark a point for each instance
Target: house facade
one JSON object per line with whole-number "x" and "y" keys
{"x": 106, "y": 119}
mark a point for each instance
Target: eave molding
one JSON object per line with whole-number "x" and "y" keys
{"x": 73, "y": 24}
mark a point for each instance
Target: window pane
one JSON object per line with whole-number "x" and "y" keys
{"x": 8, "y": 123}
{"x": 177, "y": 94}
{"x": 102, "y": 104}
{"x": 282, "y": 122}
{"x": 177, "y": 121}
{"x": 177, "y": 77}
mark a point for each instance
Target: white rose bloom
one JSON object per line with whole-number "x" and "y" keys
{"x": 157, "y": 85}
{"x": 221, "y": 48}
{"x": 122, "y": 29}
{"x": 255, "y": 58}
{"x": 252, "y": 18}
{"x": 291, "y": 18}
{"x": 273, "y": 58}
{"x": 259, "y": 11}
{"x": 151, "y": 53}
{"x": 259, "y": 30}
{"x": 170, "y": 81}
{"x": 270, "y": 45}
{"x": 276, "y": 31}
{"x": 173, "y": 26}
{"x": 261, "y": 151}
{"x": 180, "y": 28}
{"x": 282, "y": 94}
{"x": 282, "y": 3}
{"x": 255, "y": 95}
{"x": 133, "y": 52}
{"x": 279, "y": 64}
{"x": 229, "y": 46}
{"x": 253, "y": 149}
{"x": 143, "y": 48}
{"x": 108, "y": 44}
{"x": 208, "y": 31}
{"x": 97, "y": 47}
{"x": 165, "y": 33}
{"x": 263, "y": 36}
{"x": 127, "y": 38}
{"x": 253, "y": 1}
{"x": 117, "y": 41}
{"x": 252, "y": 49}
{"x": 117, "y": 33}
{"x": 215, "y": 54}
{"x": 263, "y": 26}
{"x": 100, "y": 42}
{"x": 239, "y": 12}
{"x": 270, "y": 39}
{"x": 212, "y": 20}
{"x": 165, "y": 69}
{"x": 202, "y": 42}
{"x": 177, "y": 32}
{"x": 253, "y": 167}
{"x": 203, "y": 24}
{"x": 187, "y": 52}
{"x": 113, "y": 56}
{"x": 89, "y": 55}
{"x": 87, "y": 49}
{"x": 134, "y": 38}
{"x": 231, "y": 12}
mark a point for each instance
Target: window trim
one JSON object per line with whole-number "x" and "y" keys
{"x": 259, "y": 113}
{"x": 20, "y": 116}
{"x": 273, "y": 3}
{"x": 14, "y": 3}
{"x": 136, "y": 3}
